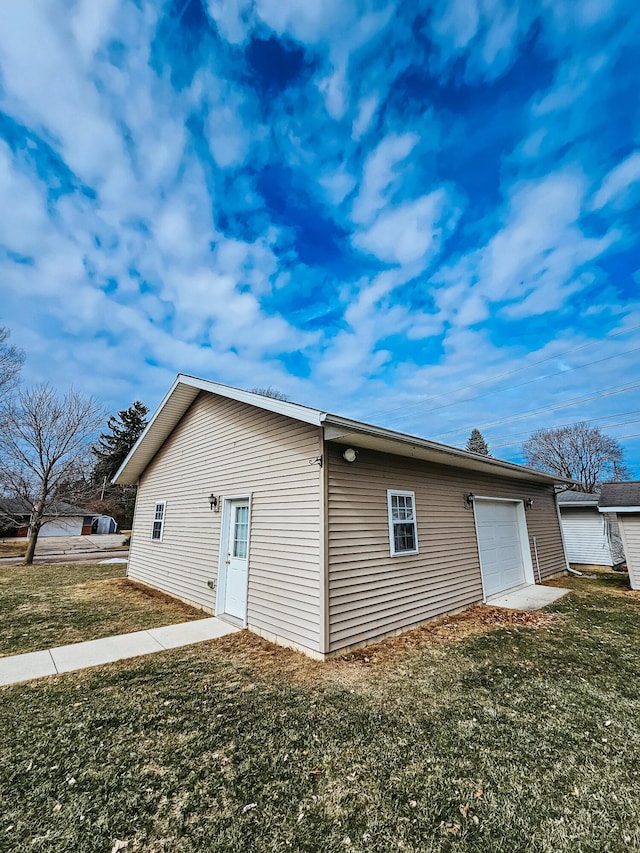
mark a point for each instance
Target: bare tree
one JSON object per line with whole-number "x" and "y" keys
{"x": 579, "y": 451}
{"x": 11, "y": 361}
{"x": 45, "y": 450}
{"x": 271, "y": 392}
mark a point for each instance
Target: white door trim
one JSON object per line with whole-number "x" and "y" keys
{"x": 523, "y": 536}
{"x": 221, "y": 586}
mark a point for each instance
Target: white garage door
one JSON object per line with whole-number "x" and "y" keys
{"x": 70, "y": 526}
{"x": 499, "y": 546}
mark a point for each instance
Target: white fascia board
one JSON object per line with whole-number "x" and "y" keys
{"x": 621, "y": 509}
{"x": 147, "y": 429}
{"x": 280, "y": 407}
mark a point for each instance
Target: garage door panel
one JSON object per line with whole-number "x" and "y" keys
{"x": 499, "y": 546}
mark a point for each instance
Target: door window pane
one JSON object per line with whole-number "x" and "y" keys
{"x": 240, "y": 532}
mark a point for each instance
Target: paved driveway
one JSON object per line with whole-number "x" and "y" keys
{"x": 58, "y": 549}
{"x": 77, "y": 544}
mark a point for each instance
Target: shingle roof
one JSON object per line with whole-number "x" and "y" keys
{"x": 571, "y": 498}
{"x": 622, "y": 496}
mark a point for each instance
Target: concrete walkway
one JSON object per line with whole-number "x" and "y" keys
{"x": 18, "y": 668}
{"x": 529, "y": 597}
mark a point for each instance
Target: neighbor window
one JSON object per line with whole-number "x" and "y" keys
{"x": 158, "y": 521}
{"x": 403, "y": 532}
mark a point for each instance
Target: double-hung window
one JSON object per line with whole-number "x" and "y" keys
{"x": 403, "y": 531}
{"x": 158, "y": 521}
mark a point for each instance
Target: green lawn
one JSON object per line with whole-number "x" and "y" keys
{"x": 56, "y": 604}
{"x": 462, "y": 737}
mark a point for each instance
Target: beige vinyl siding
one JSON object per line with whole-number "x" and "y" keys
{"x": 371, "y": 593}
{"x": 585, "y": 536}
{"x": 234, "y": 449}
{"x": 630, "y": 533}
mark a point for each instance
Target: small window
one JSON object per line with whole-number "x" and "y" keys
{"x": 403, "y": 531}
{"x": 158, "y": 521}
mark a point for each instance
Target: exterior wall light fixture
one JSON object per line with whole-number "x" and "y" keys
{"x": 213, "y": 501}
{"x": 528, "y": 503}
{"x": 469, "y": 499}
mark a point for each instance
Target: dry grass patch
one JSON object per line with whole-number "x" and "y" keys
{"x": 13, "y": 549}
{"x": 360, "y": 666}
{"x": 57, "y": 604}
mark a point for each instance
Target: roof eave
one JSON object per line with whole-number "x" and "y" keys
{"x": 346, "y": 431}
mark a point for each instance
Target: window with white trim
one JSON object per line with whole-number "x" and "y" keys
{"x": 158, "y": 521}
{"x": 403, "y": 530}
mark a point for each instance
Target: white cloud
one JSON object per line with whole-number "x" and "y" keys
{"x": 367, "y": 109}
{"x": 534, "y": 263}
{"x": 486, "y": 32}
{"x": 413, "y": 231}
{"x": 335, "y": 90}
{"x": 90, "y": 23}
{"x": 22, "y": 230}
{"x": 620, "y": 186}
{"x": 337, "y": 184}
{"x": 456, "y": 23}
{"x": 231, "y": 17}
{"x": 381, "y": 174}
{"x": 44, "y": 85}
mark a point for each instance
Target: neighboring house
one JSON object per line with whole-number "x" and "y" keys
{"x": 320, "y": 532}
{"x": 590, "y": 537}
{"x": 623, "y": 499}
{"x": 63, "y": 519}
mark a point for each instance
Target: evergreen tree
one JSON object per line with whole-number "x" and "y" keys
{"x": 476, "y": 443}
{"x": 112, "y": 449}
{"x": 125, "y": 429}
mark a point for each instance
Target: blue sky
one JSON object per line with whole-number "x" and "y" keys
{"x": 426, "y": 219}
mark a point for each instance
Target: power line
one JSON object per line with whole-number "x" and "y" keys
{"x": 560, "y": 426}
{"x": 598, "y": 396}
{"x": 611, "y": 426}
{"x": 528, "y": 382}
{"x": 426, "y": 400}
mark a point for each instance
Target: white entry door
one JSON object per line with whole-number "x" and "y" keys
{"x": 236, "y": 559}
{"x": 499, "y": 545}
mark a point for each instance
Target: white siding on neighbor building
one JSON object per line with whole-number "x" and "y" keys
{"x": 69, "y": 526}
{"x": 371, "y": 593}
{"x": 630, "y": 532}
{"x": 234, "y": 449}
{"x": 585, "y": 535}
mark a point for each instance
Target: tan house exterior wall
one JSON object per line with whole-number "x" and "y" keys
{"x": 370, "y": 593}
{"x": 233, "y": 449}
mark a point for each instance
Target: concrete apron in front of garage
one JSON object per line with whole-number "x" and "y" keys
{"x": 528, "y": 597}
{"x": 18, "y": 668}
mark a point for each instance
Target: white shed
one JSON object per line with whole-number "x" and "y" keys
{"x": 623, "y": 499}
{"x": 591, "y": 537}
